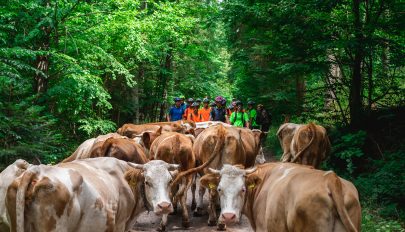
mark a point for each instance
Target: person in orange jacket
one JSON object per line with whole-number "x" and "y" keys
{"x": 188, "y": 109}
{"x": 205, "y": 111}
{"x": 194, "y": 114}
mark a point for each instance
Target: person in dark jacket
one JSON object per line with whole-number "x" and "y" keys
{"x": 263, "y": 119}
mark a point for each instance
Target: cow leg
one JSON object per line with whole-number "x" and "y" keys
{"x": 193, "y": 188}
{"x": 183, "y": 203}
{"x": 212, "y": 209}
{"x": 199, "y": 210}
{"x": 163, "y": 223}
{"x": 286, "y": 157}
{"x": 175, "y": 199}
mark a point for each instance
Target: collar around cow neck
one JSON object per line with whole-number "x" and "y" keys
{"x": 146, "y": 204}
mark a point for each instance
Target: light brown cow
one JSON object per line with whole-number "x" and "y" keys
{"x": 285, "y": 135}
{"x": 124, "y": 149}
{"x": 227, "y": 146}
{"x": 86, "y": 195}
{"x": 7, "y": 176}
{"x": 310, "y": 145}
{"x": 176, "y": 148}
{"x": 181, "y": 126}
{"x": 281, "y": 197}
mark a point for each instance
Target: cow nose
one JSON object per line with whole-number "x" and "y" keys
{"x": 228, "y": 217}
{"x": 164, "y": 205}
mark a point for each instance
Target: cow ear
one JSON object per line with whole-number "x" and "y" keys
{"x": 191, "y": 132}
{"x": 210, "y": 181}
{"x": 159, "y": 131}
{"x": 146, "y": 139}
{"x": 134, "y": 178}
{"x": 252, "y": 181}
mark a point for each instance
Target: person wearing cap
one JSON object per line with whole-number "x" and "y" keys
{"x": 175, "y": 112}
{"x": 238, "y": 117}
{"x": 188, "y": 109}
{"x": 219, "y": 112}
{"x": 194, "y": 115}
{"x": 183, "y": 104}
{"x": 252, "y": 113}
{"x": 205, "y": 111}
{"x": 198, "y": 100}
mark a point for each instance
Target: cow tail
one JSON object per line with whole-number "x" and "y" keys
{"x": 336, "y": 191}
{"x": 312, "y": 132}
{"x": 20, "y": 200}
{"x": 176, "y": 147}
{"x": 218, "y": 147}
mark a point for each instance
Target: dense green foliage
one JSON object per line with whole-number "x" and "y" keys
{"x": 70, "y": 70}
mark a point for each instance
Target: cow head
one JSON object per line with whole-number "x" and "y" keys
{"x": 187, "y": 127}
{"x": 157, "y": 176}
{"x": 232, "y": 185}
{"x": 258, "y": 135}
{"x": 149, "y": 136}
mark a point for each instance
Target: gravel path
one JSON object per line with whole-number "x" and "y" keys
{"x": 150, "y": 222}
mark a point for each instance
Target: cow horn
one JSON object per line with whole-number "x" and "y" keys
{"x": 250, "y": 170}
{"x": 214, "y": 171}
{"x": 136, "y": 166}
{"x": 173, "y": 166}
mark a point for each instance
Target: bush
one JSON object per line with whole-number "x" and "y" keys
{"x": 371, "y": 222}
{"x": 384, "y": 187}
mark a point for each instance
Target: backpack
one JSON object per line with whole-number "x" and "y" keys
{"x": 222, "y": 111}
{"x": 243, "y": 118}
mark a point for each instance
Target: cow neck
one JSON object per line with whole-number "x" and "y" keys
{"x": 146, "y": 204}
{"x": 248, "y": 205}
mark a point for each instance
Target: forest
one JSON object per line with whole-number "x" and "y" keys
{"x": 73, "y": 69}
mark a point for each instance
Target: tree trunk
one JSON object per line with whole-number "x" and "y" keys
{"x": 166, "y": 74}
{"x": 135, "y": 93}
{"x": 355, "y": 99}
{"x": 300, "y": 90}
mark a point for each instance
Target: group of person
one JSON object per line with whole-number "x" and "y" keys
{"x": 203, "y": 110}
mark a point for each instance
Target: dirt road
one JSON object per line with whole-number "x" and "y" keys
{"x": 150, "y": 222}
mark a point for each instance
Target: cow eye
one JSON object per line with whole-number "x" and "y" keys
{"x": 147, "y": 183}
{"x": 219, "y": 190}
{"x": 243, "y": 190}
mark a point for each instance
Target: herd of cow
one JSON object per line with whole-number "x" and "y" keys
{"x": 109, "y": 180}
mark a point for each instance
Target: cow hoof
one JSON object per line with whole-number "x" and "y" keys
{"x": 212, "y": 223}
{"x": 186, "y": 224}
{"x": 198, "y": 212}
{"x": 161, "y": 228}
{"x": 221, "y": 227}
{"x": 193, "y": 205}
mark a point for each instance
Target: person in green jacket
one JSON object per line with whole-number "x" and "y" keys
{"x": 252, "y": 113}
{"x": 239, "y": 118}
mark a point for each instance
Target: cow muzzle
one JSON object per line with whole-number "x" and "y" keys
{"x": 164, "y": 208}
{"x": 228, "y": 218}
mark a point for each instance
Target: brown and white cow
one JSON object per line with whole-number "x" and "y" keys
{"x": 226, "y": 144}
{"x": 285, "y": 135}
{"x": 286, "y": 197}
{"x": 90, "y": 146}
{"x": 176, "y": 148}
{"x": 153, "y": 180}
{"x": 86, "y": 195}
{"x": 7, "y": 176}
{"x": 310, "y": 145}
